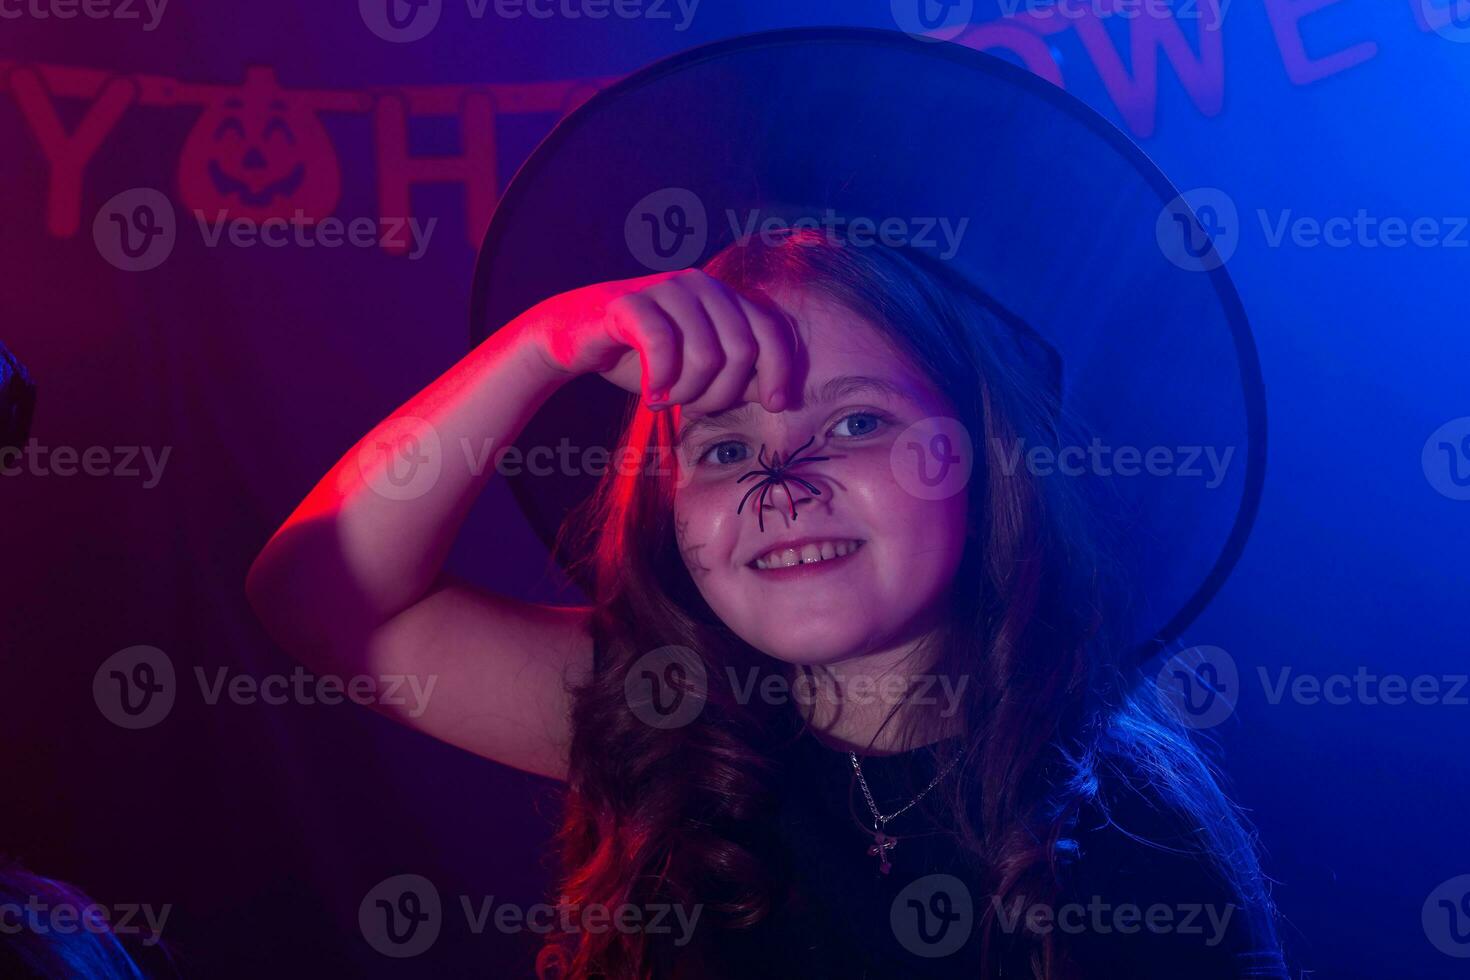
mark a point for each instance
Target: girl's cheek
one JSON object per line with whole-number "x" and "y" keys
{"x": 875, "y": 470}
{"x": 701, "y": 518}
{"x": 899, "y": 498}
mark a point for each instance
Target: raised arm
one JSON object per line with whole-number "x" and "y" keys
{"x": 352, "y": 582}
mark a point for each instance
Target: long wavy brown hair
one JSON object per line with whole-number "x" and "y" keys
{"x": 1050, "y": 713}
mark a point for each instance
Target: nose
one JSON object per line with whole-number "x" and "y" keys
{"x": 780, "y": 486}
{"x": 786, "y": 496}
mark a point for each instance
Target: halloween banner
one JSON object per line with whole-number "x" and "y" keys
{"x": 259, "y": 150}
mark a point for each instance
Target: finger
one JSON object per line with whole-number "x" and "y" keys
{"x": 639, "y": 322}
{"x": 700, "y": 356}
{"x": 777, "y": 340}
{"x": 736, "y": 340}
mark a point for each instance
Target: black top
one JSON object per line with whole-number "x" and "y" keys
{"x": 848, "y": 920}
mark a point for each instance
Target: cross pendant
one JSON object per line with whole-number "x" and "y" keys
{"x": 882, "y": 844}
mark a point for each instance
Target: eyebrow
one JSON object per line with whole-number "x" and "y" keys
{"x": 829, "y": 391}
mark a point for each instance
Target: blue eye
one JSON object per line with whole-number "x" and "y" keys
{"x": 723, "y": 452}
{"x": 870, "y": 423}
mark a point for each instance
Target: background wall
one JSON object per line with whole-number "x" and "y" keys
{"x": 220, "y": 383}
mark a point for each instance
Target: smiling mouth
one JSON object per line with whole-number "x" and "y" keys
{"x": 810, "y": 553}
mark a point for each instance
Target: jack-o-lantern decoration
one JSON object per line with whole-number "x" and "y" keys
{"x": 257, "y": 152}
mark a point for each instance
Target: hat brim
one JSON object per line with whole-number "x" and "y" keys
{"x": 1067, "y": 223}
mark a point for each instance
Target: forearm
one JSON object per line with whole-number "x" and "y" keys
{"x": 371, "y": 538}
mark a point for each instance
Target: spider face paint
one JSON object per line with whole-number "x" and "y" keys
{"x": 775, "y": 472}
{"x": 850, "y": 563}
{"x": 690, "y": 552}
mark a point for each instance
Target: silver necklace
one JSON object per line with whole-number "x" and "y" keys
{"x": 882, "y": 843}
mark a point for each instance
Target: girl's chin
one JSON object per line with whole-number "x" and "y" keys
{"x": 801, "y": 659}
{"x": 815, "y": 654}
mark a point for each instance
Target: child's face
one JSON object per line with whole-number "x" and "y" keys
{"x": 891, "y": 589}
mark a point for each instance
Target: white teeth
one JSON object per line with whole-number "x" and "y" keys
{"x": 808, "y": 553}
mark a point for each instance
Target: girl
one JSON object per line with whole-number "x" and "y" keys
{"x": 853, "y": 708}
